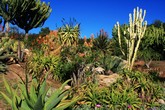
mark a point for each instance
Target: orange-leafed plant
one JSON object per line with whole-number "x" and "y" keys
{"x": 88, "y": 43}
{"x": 49, "y": 43}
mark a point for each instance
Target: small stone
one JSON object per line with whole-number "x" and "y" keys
{"x": 161, "y": 101}
{"x": 67, "y": 87}
{"x": 99, "y": 70}
{"x": 18, "y": 65}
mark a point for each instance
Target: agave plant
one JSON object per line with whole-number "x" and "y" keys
{"x": 35, "y": 98}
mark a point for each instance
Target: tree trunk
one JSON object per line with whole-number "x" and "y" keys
{"x": 7, "y": 28}
{"x": 104, "y": 59}
{"x": 26, "y": 36}
{"x": 19, "y": 50}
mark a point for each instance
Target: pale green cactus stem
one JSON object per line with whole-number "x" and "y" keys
{"x": 136, "y": 30}
{"x": 119, "y": 38}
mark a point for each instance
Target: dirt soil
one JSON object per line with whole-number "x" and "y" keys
{"x": 16, "y": 70}
{"x": 157, "y": 66}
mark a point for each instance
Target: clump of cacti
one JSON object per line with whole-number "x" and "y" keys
{"x": 136, "y": 30}
{"x": 5, "y": 52}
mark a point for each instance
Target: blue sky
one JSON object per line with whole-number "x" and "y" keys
{"x": 100, "y": 14}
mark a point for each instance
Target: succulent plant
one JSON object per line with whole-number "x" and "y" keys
{"x": 35, "y": 97}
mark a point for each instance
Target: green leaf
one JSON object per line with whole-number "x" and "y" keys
{"x": 42, "y": 88}
{"x": 56, "y": 97}
{"x": 6, "y": 98}
{"x": 7, "y": 86}
{"x": 14, "y": 103}
{"x": 54, "y": 101}
{"x": 23, "y": 89}
{"x": 38, "y": 105}
{"x": 24, "y": 106}
{"x": 65, "y": 104}
{"x": 33, "y": 94}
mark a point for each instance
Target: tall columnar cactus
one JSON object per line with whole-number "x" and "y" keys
{"x": 136, "y": 30}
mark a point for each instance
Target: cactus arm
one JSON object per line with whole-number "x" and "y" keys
{"x": 119, "y": 39}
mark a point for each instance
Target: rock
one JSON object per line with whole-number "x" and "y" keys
{"x": 18, "y": 65}
{"x": 67, "y": 87}
{"x": 99, "y": 70}
{"x": 162, "y": 74}
{"x": 161, "y": 101}
{"x": 27, "y": 52}
{"x": 109, "y": 72}
{"x": 107, "y": 80}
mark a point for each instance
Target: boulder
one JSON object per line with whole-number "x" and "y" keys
{"x": 107, "y": 80}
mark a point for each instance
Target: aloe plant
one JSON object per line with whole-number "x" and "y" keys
{"x": 35, "y": 98}
{"x": 101, "y": 43}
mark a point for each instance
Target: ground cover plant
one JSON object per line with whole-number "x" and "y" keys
{"x": 136, "y": 90}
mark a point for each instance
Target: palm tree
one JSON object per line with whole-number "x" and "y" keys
{"x": 69, "y": 33}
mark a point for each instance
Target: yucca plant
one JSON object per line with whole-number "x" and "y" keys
{"x": 68, "y": 34}
{"x": 34, "y": 96}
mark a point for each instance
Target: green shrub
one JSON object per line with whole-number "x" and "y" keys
{"x": 72, "y": 63}
{"x": 39, "y": 64}
{"x": 148, "y": 89}
{"x": 5, "y": 52}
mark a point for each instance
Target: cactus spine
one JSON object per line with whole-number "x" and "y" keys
{"x": 136, "y": 30}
